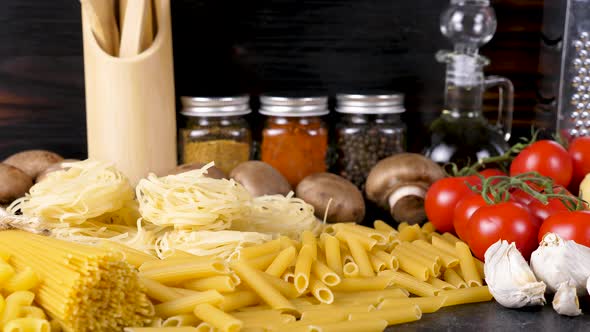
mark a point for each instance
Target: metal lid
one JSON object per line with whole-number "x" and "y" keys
{"x": 370, "y": 104}
{"x": 215, "y": 106}
{"x": 294, "y": 106}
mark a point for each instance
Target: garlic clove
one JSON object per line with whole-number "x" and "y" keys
{"x": 566, "y": 301}
{"x": 557, "y": 261}
{"x": 510, "y": 280}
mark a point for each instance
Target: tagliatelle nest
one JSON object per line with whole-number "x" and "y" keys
{"x": 192, "y": 201}
{"x": 87, "y": 190}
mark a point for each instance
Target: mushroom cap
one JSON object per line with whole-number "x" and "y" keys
{"x": 260, "y": 178}
{"x": 347, "y": 203}
{"x": 33, "y": 162}
{"x": 14, "y": 183}
{"x": 402, "y": 170}
{"x": 59, "y": 166}
{"x": 212, "y": 172}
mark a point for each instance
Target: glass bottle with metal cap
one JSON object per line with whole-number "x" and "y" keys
{"x": 216, "y": 131}
{"x": 295, "y": 139}
{"x": 369, "y": 129}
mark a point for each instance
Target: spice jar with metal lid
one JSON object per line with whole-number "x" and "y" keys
{"x": 216, "y": 131}
{"x": 369, "y": 129}
{"x": 295, "y": 138}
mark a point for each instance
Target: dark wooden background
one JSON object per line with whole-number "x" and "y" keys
{"x": 286, "y": 46}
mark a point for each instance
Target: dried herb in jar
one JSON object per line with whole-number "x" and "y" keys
{"x": 226, "y": 154}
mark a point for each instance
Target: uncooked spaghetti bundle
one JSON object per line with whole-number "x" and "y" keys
{"x": 84, "y": 288}
{"x": 190, "y": 200}
{"x": 88, "y": 189}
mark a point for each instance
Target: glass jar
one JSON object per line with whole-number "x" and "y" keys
{"x": 370, "y": 129}
{"x": 216, "y": 131}
{"x": 294, "y": 138}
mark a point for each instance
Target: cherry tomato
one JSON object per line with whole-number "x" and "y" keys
{"x": 520, "y": 196}
{"x": 579, "y": 150}
{"x": 571, "y": 225}
{"x": 463, "y": 211}
{"x": 546, "y": 157}
{"x": 543, "y": 211}
{"x": 503, "y": 221}
{"x": 441, "y": 199}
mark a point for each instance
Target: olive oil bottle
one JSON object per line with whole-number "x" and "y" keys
{"x": 462, "y": 135}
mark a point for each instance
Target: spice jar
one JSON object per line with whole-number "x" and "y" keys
{"x": 369, "y": 129}
{"x": 216, "y": 131}
{"x": 294, "y": 139}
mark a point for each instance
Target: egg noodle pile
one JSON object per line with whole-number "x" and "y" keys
{"x": 93, "y": 201}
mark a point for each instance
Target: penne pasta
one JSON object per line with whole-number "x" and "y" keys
{"x": 186, "y": 304}
{"x": 431, "y": 263}
{"x": 259, "y": 250}
{"x": 180, "y": 273}
{"x": 168, "y": 262}
{"x": 160, "y": 329}
{"x": 377, "y": 263}
{"x": 393, "y": 316}
{"x": 409, "y": 233}
{"x": 467, "y": 265}
{"x": 427, "y": 304}
{"x": 363, "y": 284}
{"x": 222, "y": 284}
{"x": 451, "y": 277}
{"x": 402, "y": 225}
{"x": 413, "y": 285}
{"x": 391, "y": 261}
{"x": 361, "y": 257}
{"x": 303, "y": 268}
{"x": 409, "y": 264}
{"x": 466, "y": 295}
{"x": 263, "y": 288}
{"x": 308, "y": 239}
{"x": 320, "y": 291}
{"x": 262, "y": 262}
{"x": 205, "y": 327}
{"x": 325, "y": 274}
{"x": 238, "y": 299}
{"x": 285, "y": 288}
{"x": 181, "y": 320}
{"x": 344, "y": 235}
{"x": 363, "y": 231}
{"x": 448, "y": 261}
{"x": 222, "y": 321}
{"x": 370, "y": 296}
{"x": 332, "y": 253}
{"x": 440, "y": 284}
{"x": 157, "y": 291}
{"x": 442, "y": 245}
{"x": 282, "y": 261}
{"x": 428, "y": 228}
{"x": 479, "y": 266}
{"x": 450, "y": 238}
{"x": 350, "y": 326}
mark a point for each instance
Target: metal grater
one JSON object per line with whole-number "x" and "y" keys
{"x": 574, "y": 97}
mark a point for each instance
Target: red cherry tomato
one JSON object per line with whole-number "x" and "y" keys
{"x": 546, "y": 157}
{"x": 503, "y": 221}
{"x": 519, "y": 196}
{"x": 543, "y": 211}
{"x": 579, "y": 150}
{"x": 464, "y": 210}
{"x": 441, "y": 199}
{"x": 571, "y": 225}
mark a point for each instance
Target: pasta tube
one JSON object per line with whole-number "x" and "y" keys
{"x": 466, "y": 295}
{"x": 217, "y": 318}
{"x": 427, "y": 304}
{"x": 332, "y": 253}
{"x": 393, "y": 316}
{"x": 361, "y": 257}
{"x": 351, "y": 326}
{"x": 303, "y": 268}
{"x": 283, "y": 260}
{"x": 186, "y": 304}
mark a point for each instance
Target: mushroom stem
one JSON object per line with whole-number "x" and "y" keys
{"x": 407, "y": 203}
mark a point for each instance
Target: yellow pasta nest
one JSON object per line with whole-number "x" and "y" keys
{"x": 191, "y": 200}
{"x": 89, "y": 189}
{"x": 83, "y": 288}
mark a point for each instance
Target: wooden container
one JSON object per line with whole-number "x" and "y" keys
{"x": 130, "y": 110}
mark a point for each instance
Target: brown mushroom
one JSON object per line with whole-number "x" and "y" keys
{"x": 59, "y": 166}
{"x": 33, "y": 162}
{"x": 14, "y": 183}
{"x": 259, "y": 178}
{"x": 399, "y": 184}
{"x": 212, "y": 172}
{"x": 347, "y": 203}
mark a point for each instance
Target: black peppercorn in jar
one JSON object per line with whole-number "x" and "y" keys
{"x": 370, "y": 129}
{"x": 216, "y": 131}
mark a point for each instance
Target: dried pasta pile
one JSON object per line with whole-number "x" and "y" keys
{"x": 83, "y": 288}
{"x": 89, "y": 189}
{"x": 351, "y": 278}
{"x": 17, "y": 311}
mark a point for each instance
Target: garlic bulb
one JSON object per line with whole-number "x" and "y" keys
{"x": 557, "y": 261}
{"x": 509, "y": 277}
{"x": 565, "y": 301}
